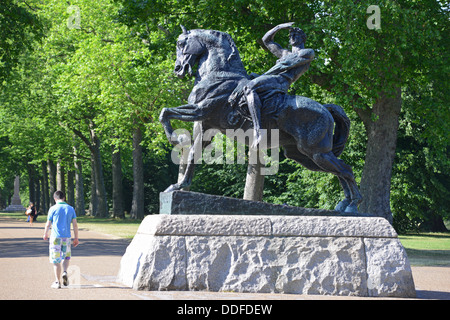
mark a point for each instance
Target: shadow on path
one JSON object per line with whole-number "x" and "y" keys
{"x": 36, "y": 247}
{"x": 18, "y": 240}
{"x": 437, "y": 295}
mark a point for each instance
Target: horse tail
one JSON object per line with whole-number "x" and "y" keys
{"x": 342, "y": 129}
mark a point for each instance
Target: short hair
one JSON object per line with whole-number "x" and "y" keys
{"x": 300, "y": 32}
{"x": 59, "y": 195}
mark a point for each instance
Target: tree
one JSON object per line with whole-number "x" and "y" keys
{"x": 421, "y": 172}
{"x": 106, "y": 77}
{"x": 117, "y": 177}
{"x": 24, "y": 120}
{"x": 364, "y": 68}
{"x": 20, "y": 27}
{"x": 137, "y": 207}
{"x": 114, "y": 84}
{"x": 368, "y": 69}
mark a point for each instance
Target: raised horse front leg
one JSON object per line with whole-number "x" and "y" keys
{"x": 187, "y": 112}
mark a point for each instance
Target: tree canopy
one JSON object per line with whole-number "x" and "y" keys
{"x": 84, "y": 82}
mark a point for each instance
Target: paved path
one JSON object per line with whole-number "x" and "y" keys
{"x": 25, "y": 272}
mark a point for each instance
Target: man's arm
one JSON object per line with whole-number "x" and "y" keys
{"x": 270, "y": 44}
{"x": 75, "y": 232}
{"x": 47, "y": 227}
{"x": 293, "y": 61}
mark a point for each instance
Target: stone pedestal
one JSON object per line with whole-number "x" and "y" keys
{"x": 16, "y": 203}
{"x": 350, "y": 256}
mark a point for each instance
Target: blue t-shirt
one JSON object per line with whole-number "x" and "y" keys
{"x": 61, "y": 215}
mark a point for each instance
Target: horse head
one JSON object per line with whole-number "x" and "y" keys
{"x": 193, "y": 45}
{"x": 189, "y": 48}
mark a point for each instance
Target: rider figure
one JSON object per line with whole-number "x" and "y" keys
{"x": 290, "y": 66}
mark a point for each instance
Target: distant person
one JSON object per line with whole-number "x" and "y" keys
{"x": 60, "y": 216}
{"x": 31, "y": 213}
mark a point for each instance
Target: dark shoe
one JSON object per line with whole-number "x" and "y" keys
{"x": 65, "y": 279}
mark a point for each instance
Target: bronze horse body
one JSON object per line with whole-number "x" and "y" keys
{"x": 310, "y": 133}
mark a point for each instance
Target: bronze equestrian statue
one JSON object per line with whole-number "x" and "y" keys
{"x": 226, "y": 97}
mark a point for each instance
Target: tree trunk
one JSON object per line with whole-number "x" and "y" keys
{"x": 99, "y": 205}
{"x": 137, "y": 206}
{"x": 71, "y": 187}
{"x": 117, "y": 194}
{"x": 38, "y": 194}
{"x": 79, "y": 188}
{"x": 52, "y": 180}
{"x": 45, "y": 197}
{"x": 102, "y": 209}
{"x": 433, "y": 223}
{"x": 93, "y": 205}
{"x": 380, "y": 153}
{"x": 60, "y": 177}
{"x": 254, "y": 183}
{"x": 32, "y": 183}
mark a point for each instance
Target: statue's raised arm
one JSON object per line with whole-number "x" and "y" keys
{"x": 269, "y": 42}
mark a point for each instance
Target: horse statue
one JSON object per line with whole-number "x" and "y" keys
{"x": 310, "y": 133}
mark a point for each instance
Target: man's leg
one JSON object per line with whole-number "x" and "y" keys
{"x": 65, "y": 264}
{"x": 55, "y": 258}
{"x": 65, "y": 277}
{"x": 66, "y": 254}
{"x": 254, "y": 107}
{"x": 57, "y": 271}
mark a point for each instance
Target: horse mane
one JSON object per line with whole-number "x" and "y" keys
{"x": 215, "y": 38}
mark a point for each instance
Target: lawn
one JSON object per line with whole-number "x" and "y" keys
{"x": 425, "y": 249}
{"x": 123, "y": 228}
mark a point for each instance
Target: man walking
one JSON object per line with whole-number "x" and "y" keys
{"x": 60, "y": 216}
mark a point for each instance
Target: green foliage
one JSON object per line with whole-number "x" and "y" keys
{"x": 20, "y": 27}
{"x": 114, "y": 73}
{"x": 420, "y": 183}
{"x": 220, "y": 179}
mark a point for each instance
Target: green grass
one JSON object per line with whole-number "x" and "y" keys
{"x": 14, "y": 215}
{"x": 425, "y": 249}
{"x": 123, "y": 228}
